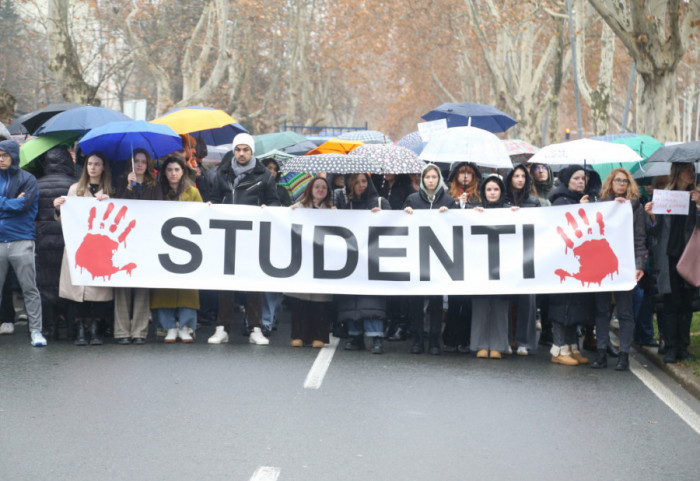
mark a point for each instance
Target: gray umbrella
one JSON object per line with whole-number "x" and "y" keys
{"x": 687, "y": 152}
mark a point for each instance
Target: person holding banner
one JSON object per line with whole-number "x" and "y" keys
{"x": 132, "y": 305}
{"x": 87, "y": 304}
{"x": 569, "y": 310}
{"x": 242, "y": 179}
{"x": 621, "y": 187}
{"x": 432, "y": 195}
{"x": 670, "y": 235}
{"x": 311, "y": 312}
{"x": 463, "y": 184}
{"x": 519, "y": 193}
{"x": 364, "y": 315}
{"x": 489, "y": 333}
{"x": 176, "y": 305}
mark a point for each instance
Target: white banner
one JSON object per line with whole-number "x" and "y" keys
{"x": 586, "y": 247}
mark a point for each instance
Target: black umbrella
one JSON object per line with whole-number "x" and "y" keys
{"x": 685, "y": 153}
{"x": 16, "y": 127}
{"x": 33, "y": 120}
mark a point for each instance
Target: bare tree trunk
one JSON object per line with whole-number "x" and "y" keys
{"x": 64, "y": 61}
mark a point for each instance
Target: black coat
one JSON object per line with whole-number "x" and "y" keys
{"x": 57, "y": 179}
{"x": 419, "y": 200}
{"x": 397, "y": 193}
{"x": 138, "y": 192}
{"x": 258, "y": 187}
{"x": 521, "y": 198}
{"x": 367, "y": 201}
{"x": 572, "y": 308}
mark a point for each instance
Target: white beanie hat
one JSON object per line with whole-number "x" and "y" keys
{"x": 244, "y": 139}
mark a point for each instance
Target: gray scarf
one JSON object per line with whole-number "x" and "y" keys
{"x": 240, "y": 171}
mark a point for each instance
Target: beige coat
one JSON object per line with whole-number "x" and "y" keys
{"x": 310, "y": 296}
{"x": 66, "y": 289}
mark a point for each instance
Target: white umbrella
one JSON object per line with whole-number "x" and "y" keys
{"x": 467, "y": 144}
{"x": 584, "y": 151}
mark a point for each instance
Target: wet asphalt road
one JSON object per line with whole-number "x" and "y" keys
{"x": 189, "y": 412}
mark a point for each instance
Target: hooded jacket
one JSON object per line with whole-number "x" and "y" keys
{"x": 453, "y": 172}
{"x": 521, "y": 198}
{"x": 421, "y": 200}
{"x": 258, "y": 187}
{"x": 544, "y": 189}
{"x": 17, "y": 214}
{"x": 396, "y": 194}
{"x": 58, "y": 169}
{"x": 367, "y": 201}
{"x": 500, "y": 203}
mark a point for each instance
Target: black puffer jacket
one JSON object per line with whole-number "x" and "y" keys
{"x": 359, "y": 308}
{"x": 397, "y": 193}
{"x": 258, "y": 187}
{"x": 523, "y": 197}
{"x": 58, "y": 177}
{"x": 367, "y": 201}
{"x": 420, "y": 199}
{"x": 562, "y": 195}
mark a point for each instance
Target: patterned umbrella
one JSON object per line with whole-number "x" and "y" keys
{"x": 294, "y": 182}
{"x": 519, "y": 147}
{"x": 333, "y": 163}
{"x": 394, "y": 159}
{"x": 367, "y": 136}
{"x": 412, "y": 141}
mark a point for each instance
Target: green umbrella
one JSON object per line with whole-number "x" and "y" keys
{"x": 268, "y": 142}
{"x": 32, "y": 149}
{"x": 644, "y": 145}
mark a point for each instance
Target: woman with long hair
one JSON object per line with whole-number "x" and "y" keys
{"x": 364, "y": 315}
{"x": 463, "y": 187}
{"x": 176, "y": 305}
{"x": 87, "y": 305}
{"x": 132, "y": 305}
{"x": 620, "y": 186}
{"x": 311, "y": 312}
{"x": 433, "y": 196}
{"x": 671, "y": 234}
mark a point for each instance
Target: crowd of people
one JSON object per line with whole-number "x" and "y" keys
{"x": 37, "y": 286}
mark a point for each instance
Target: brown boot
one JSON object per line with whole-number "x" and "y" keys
{"x": 562, "y": 355}
{"x": 576, "y": 354}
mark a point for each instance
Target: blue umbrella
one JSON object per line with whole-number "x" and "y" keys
{"x": 482, "y": 116}
{"x": 412, "y": 141}
{"x": 216, "y": 136}
{"x": 117, "y": 140}
{"x": 81, "y": 120}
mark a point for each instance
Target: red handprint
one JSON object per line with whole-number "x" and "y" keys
{"x": 97, "y": 250}
{"x": 595, "y": 257}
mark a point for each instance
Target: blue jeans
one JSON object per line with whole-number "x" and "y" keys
{"x": 186, "y": 315}
{"x": 371, "y": 328}
{"x": 270, "y": 304}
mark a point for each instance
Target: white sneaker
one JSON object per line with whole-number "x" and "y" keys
{"x": 256, "y": 337}
{"x": 184, "y": 335}
{"x": 7, "y": 328}
{"x": 522, "y": 351}
{"x": 171, "y": 336}
{"x": 37, "y": 339}
{"x": 219, "y": 336}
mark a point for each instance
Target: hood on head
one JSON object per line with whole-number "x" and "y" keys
{"x": 59, "y": 161}
{"x": 455, "y": 168}
{"x": 370, "y": 191}
{"x": 509, "y": 182}
{"x": 492, "y": 178}
{"x": 440, "y": 185}
{"x": 567, "y": 172}
{"x": 12, "y": 148}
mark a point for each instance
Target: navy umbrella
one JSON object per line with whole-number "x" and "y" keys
{"x": 483, "y": 117}
{"x": 117, "y": 140}
{"x": 33, "y": 120}
{"x": 81, "y": 120}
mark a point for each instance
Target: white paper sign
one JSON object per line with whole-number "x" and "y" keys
{"x": 671, "y": 202}
{"x": 428, "y": 130}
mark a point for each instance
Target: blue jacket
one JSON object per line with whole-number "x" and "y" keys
{"x": 17, "y": 214}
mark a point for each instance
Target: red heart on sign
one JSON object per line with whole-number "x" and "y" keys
{"x": 668, "y": 210}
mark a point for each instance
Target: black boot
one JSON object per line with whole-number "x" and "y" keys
{"x": 434, "y": 346}
{"x": 95, "y": 333}
{"x": 80, "y": 333}
{"x": 356, "y": 343}
{"x": 612, "y": 351}
{"x": 601, "y": 361}
{"x": 377, "y": 345}
{"x": 623, "y": 362}
{"x": 418, "y": 344}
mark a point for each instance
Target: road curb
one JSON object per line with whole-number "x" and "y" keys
{"x": 683, "y": 375}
